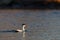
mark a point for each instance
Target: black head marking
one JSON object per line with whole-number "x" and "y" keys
{"x": 23, "y": 24}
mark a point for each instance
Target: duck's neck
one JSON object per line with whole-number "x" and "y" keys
{"x": 23, "y": 28}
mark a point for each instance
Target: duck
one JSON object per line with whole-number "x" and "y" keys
{"x": 23, "y": 28}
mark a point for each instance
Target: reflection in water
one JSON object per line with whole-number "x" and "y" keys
{"x": 23, "y": 36}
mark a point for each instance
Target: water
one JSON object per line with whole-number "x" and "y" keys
{"x": 41, "y": 25}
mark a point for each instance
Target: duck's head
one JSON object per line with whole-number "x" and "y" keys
{"x": 24, "y": 25}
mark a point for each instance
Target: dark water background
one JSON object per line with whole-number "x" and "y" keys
{"x": 42, "y": 25}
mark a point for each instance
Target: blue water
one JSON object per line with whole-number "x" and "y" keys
{"x": 42, "y": 25}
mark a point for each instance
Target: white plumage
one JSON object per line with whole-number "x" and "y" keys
{"x": 23, "y": 28}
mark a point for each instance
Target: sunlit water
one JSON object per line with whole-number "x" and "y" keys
{"x": 41, "y": 25}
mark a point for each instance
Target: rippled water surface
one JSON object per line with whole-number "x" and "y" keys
{"x": 41, "y": 25}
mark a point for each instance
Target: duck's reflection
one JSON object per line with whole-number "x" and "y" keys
{"x": 24, "y": 36}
